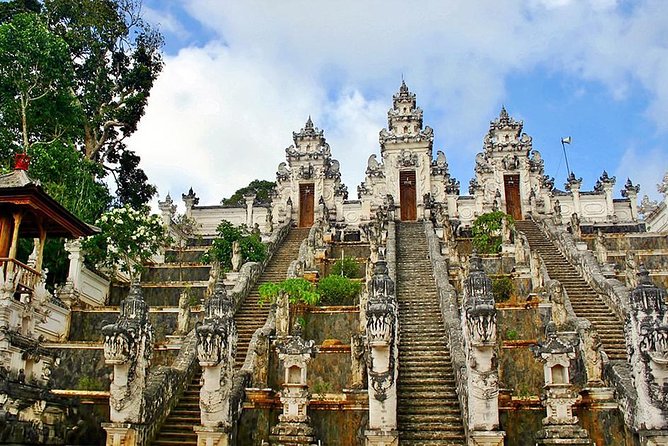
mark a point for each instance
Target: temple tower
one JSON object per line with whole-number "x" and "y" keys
{"x": 307, "y": 182}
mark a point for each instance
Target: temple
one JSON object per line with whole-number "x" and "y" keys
{"x": 549, "y": 328}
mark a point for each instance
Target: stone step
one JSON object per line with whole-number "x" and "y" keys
{"x": 585, "y": 301}
{"x": 428, "y": 408}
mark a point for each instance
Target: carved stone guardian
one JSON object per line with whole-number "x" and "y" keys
{"x": 216, "y": 349}
{"x": 479, "y": 320}
{"x": 381, "y": 356}
{"x": 647, "y": 345}
{"x": 128, "y": 345}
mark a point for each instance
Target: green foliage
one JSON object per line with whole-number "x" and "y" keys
{"x": 338, "y": 290}
{"x": 261, "y": 188}
{"x": 486, "y": 231}
{"x": 36, "y": 81}
{"x": 128, "y": 239}
{"x": 299, "y": 291}
{"x": 346, "y": 267}
{"x": 252, "y": 248}
{"x": 82, "y": 73}
{"x": 503, "y": 288}
{"x": 511, "y": 334}
{"x": 70, "y": 179}
{"x": 89, "y": 383}
{"x": 320, "y": 387}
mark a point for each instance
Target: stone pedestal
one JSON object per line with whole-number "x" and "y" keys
{"x": 212, "y": 436}
{"x": 654, "y": 438}
{"x": 293, "y": 427}
{"x": 570, "y": 434}
{"x": 377, "y": 437}
{"x": 292, "y": 434}
{"x": 120, "y": 434}
{"x": 486, "y": 438}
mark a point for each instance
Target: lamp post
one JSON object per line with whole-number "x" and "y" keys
{"x": 566, "y": 140}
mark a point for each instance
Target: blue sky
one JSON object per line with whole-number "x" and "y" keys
{"x": 239, "y": 77}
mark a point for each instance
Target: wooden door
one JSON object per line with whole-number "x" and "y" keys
{"x": 407, "y": 200}
{"x": 511, "y": 184}
{"x": 306, "y": 205}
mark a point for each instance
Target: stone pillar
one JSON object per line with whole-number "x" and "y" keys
{"x": 451, "y": 194}
{"x": 381, "y": 356}
{"x": 128, "y": 345}
{"x": 607, "y": 184}
{"x": 573, "y": 184}
{"x": 190, "y": 200}
{"x": 249, "y": 200}
{"x": 167, "y": 210}
{"x": 293, "y": 428}
{"x": 631, "y": 191}
{"x": 647, "y": 344}
{"x": 479, "y": 324}
{"x": 216, "y": 349}
{"x": 560, "y": 426}
{"x": 73, "y": 247}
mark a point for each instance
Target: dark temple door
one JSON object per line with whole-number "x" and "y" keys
{"x": 511, "y": 184}
{"x": 306, "y": 205}
{"x": 407, "y": 194}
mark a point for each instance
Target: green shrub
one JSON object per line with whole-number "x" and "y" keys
{"x": 89, "y": 383}
{"x": 486, "y": 231}
{"x": 503, "y": 288}
{"x": 252, "y": 248}
{"x": 511, "y": 335}
{"x": 338, "y": 290}
{"x": 298, "y": 291}
{"x": 346, "y": 267}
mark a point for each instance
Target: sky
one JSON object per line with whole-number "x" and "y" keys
{"x": 240, "y": 77}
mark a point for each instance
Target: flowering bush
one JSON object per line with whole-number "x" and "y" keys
{"x": 128, "y": 239}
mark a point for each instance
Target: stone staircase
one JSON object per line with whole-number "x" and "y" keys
{"x": 428, "y": 410}
{"x": 585, "y": 301}
{"x": 178, "y": 427}
{"x": 251, "y": 315}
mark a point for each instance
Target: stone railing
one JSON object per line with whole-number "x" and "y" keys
{"x": 164, "y": 388}
{"x": 451, "y": 319}
{"x": 613, "y": 292}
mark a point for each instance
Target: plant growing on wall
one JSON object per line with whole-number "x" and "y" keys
{"x": 338, "y": 290}
{"x": 299, "y": 291}
{"x": 502, "y": 288}
{"x": 486, "y": 231}
{"x": 346, "y": 267}
{"x": 252, "y": 248}
{"x": 128, "y": 239}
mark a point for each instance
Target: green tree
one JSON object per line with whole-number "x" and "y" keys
{"x": 115, "y": 58}
{"x": 261, "y": 188}
{"x": 251, "y": 246}
{"x": 486, "y": 230}
{"x": 36, "y": 80}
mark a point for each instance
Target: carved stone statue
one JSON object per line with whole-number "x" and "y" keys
{"x": 128, "y": 345}
{"x": 183, "y": 319}
{"x": 237, "y": 258}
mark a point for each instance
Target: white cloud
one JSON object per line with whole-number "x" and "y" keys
{"x": 221, "y": 115}
{"x": 644, "y": 166}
